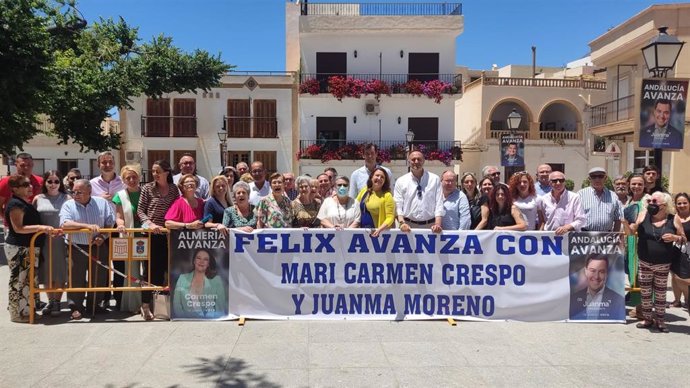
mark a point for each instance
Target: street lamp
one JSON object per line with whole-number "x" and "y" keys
{"x": 513, "y": 120}
{"x": 223, "y": 137}
{"x": 662, "y": 52}
{"x": 409, "y": 136}
{"x": 660, "y": 56}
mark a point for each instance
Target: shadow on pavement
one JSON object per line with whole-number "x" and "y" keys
{"x": 229, "y": 372}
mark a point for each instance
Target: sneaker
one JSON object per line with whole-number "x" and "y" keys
{"x": 47, "y": 309}
{"x": 40, "y": 305}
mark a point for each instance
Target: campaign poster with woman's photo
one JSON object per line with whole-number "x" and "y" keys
{"x": 199, "y": 274}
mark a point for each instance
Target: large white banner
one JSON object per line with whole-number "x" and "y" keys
{"x": 328, "y": 274}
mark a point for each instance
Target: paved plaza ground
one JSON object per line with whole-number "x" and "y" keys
{"x": 122, "y": 351}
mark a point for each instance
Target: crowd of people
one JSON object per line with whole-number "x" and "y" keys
{"x": 245, "y": 197}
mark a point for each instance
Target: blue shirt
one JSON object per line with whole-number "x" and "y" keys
{"x": 541, "y": 190}
{"x": 97, "y": 211}
{"x": 457, "y": 211}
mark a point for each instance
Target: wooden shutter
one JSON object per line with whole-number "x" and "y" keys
{"x": 238, "y": 156}
{"x": 152, "y": 156}
{"x": 184, "y": 123}
{"x": 157, "y": 122}
{"x": 265, "y": 122}
{"x": 269, "y": 159}
{"x": 238, "y": 118}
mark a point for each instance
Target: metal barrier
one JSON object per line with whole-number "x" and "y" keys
{"x": 119, "y": 249}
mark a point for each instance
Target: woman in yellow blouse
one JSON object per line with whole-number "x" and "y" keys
{"x": 378, "y": 200}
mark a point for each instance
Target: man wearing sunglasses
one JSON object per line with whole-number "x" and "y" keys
{"x": 493, "y": 172}
{"x": 602, "y": 208}
{"x": 25, "y": 166}
{"x": 560, "y": 210}
{"x": 419, "y": 197}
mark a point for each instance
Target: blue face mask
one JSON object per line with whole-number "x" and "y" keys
{"x": 342, "y": 191}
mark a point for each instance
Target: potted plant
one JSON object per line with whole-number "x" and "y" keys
{"x": 378, "y": 87}
{"x": 310, "y": 86}
{"x": 339, "y": 87}
{"x": 414, "y": 87}
{"x": 434, "y": 89}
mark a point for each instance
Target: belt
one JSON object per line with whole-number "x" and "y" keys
{"x": 427, "y": 222}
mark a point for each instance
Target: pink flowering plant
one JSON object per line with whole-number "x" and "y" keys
{"x": 339, "y": 87}
{"x": 310, "y": 86}
{"x": 414, "y": 87}
{"x": 378, "y": 87}
{"x": 434, "y": 89}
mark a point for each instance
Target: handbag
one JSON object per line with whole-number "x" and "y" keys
{"x": 367, "y": 221}
{"x": 161, "y": 305}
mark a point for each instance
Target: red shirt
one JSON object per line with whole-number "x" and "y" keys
{"x": 6, "y": 191}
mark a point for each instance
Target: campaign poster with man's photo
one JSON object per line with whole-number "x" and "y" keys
{"x": 662, "y": 113}
{"x": 199, "y": 274}
{"x": 597, "y": 276}
{"x": 512, "y": 150}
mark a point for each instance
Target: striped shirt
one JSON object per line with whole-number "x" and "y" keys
{"x": 96, "y": 212}
{"x": 601, "y": 211}
{"x": 152, "y": 206}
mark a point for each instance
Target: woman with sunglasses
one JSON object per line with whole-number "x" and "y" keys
{"x": 23, "y": 220}
{"x": 657, "y": 230}
{"x": 304, "y": 206}
{"x": 681, "y": 265}
{"x": 469, "y": 187}
{"x": 500, "y": 213}
{"x": 339, "y": 211}
{"x": 522, "y": 190}
{"x": 48, "y": 203}
{"x": 377, "y": 200}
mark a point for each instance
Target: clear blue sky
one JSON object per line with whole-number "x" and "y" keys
{"x": 251, "y": 33}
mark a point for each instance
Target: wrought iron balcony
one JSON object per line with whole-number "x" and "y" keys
{"x": 613, "y": 111}
{"x": 160, "y": 126}
{"x": 396, "y": 82}
{"x": 251, "y": 127}
{"x": 343, "y": 149}
{"x": 381, "y": 9}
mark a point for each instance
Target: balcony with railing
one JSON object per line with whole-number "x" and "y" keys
{"x": 168, "y": 126}
{"x": 614, "y": 111}
{"x": 343, "y": 149}
{"x": 539, "y": 83}
{"x": 251, "y": 127}
{"x": 397, "y": 83}
{"x": 381, "y": 9}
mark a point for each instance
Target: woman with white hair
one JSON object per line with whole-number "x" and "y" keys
{"x": 305, "y": 207}
{"x": 241, "y": 214}
{"x": 657, "y": 231}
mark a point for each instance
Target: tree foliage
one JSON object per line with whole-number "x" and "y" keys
{"x": 53, "y": 63}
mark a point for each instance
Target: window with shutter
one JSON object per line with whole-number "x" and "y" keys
{"x": 157, "y": 119}
{"x": 265, "y": 122}
{"x": 238, "y": 118}
{"x": 184, "y": 122}
{"x": 269, "y": 159}
{"x": 151, "y": 157}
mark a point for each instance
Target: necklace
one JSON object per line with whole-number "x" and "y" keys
{"x": 660, "y": 229}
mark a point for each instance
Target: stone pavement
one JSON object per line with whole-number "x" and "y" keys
{"x": 121, "y": 351}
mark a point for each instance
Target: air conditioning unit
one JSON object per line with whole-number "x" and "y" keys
{"x": 133, "y": 156}
{"x": 372, "y": 108}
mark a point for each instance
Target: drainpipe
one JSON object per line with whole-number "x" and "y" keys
{"x": 534, "y": 61}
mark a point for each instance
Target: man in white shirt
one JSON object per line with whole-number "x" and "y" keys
{"x": 188, "y": 166}
{"x": 560, "y": 210}
{"x": 359, "y": 177}
{"x": 259, "y": 188}
{"x": 419, "y": 197}
{"x": 108, "y": 183}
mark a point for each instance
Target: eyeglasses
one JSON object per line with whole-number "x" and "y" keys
{"x": 73, "y": 178}
{"x": 342, "y": 185}
{"x": 654, "y": 201}
{"x": 24, "y": 184}
{"x": 497, "y": 173}
{"x": 257, "y": 171}
{"x": 189, "y": 185}
{"x": 419, "y": 191}
{"x": 559, "y": 180}
{"x": 78, "y": 192}
{"x": 597, "y": 176}
{"x": 53, "y": 182}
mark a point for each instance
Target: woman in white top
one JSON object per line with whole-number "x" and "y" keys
{"x": 339, "y": 211}
{"x": 525, "y": 197}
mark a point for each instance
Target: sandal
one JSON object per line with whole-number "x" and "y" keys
{"x": 76, "y": 315}
{"x": 662, "y": 327}
{"x": 644, "y": 325}
{"x": 674, "y": 304}
{"x": 146, "y": 312}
